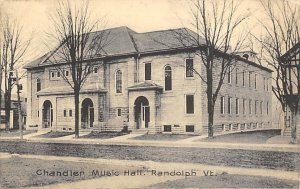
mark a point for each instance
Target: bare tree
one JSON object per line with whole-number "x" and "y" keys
{"x": 281, "y": 34}
{"x": 78, "y": 45}
{"x": 216, "y": 24}
{"x": 13, "y": 48}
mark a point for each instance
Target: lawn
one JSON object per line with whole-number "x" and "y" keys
{"x": 103, "y": 135}
{"x": 228, "y": 181}
{"x": 24, "y": 172}
{"x": 162, "y": 137}
{"x": 14, "y": 133}
{"x": 257, "y": 137}
{"x": 54, "y": 134}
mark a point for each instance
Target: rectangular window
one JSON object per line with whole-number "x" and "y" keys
{"x": 167, "y": 128}
{"x": 244, "y": 106}
{"x": 237, "y": 106}
{"x": 189, "y": 67}
{"x": 65, "y": 113}
{"x": 267, "y": 108}
{"x": 264, "y": 83}
{"x": 261, "y": 107}
{"x": 52, "y": 74}
{"x": 95, "y": 70}
{"x": 229, "y": 75}
{"x": 255, "y": 81}
{"x": 236, "y": 75}
{"x": 222, "y": 105}
{"x": 148, "y": 71}
{"x": 119, "y": 112}
{"x": 250, "y": 106}
{"x": 58, "y": 74}
{"x": 267, "y": 80}
{"x": 189, "y": 128}
{"x": 66, "y": 73}
{"x": 249, "y": 79}
{"x": 70, "y": 113}
{"x": 243, "y": 78}
{"x": 189, "y": 104}
{"x": 229, "y": 105}
{"x": 255, "y": 107}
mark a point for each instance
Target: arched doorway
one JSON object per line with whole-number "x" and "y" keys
{"x": 141, "y": 112}
{"x": 87, "y": 113}
{"x": 47, "y": 114}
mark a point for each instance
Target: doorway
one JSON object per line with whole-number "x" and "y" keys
{"x": 141, "y": 112}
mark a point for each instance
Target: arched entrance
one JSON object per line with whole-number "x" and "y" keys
{"x": 141, "y": 112}
{"x": 47, "y": 114}
{"x": 87, "y": 113}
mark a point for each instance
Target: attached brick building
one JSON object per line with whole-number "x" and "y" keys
{"x": 145, "y": 84}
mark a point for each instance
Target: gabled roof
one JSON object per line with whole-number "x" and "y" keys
{"x": 124, "y": 41}
{"x": 145, "y": 86}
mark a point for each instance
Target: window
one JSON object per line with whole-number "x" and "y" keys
{"x": 58, "y": 74}
{"x": 250, "y": 106}
{"x": 244, "y": 106}
{"x": 255, "y": 81}
{"x": 267, "y": 108}
{"x": 167, "y": 128}
{"x": 65, "y": 113}
{"x": 38, "y": 84}
{"x": 95, "y": 70}
{"x": 119, "y": 112}
{"x": 243, "y": 78}
{"x": 189, "y": 67}
{"x": 118, "y": 81}
{"x": 249, "y": 79}
{"x": 38, "y": 113}
{"x": 261, "y": 107}
{"x": 229, "y": 105}
{"x": 229, "y": 75}
{"x": 70, "y": 113}
{"x": 148, "y": 71}
{"x": 189, "y": 128}
{"x": 255, "y": 107}
{"x": 236, "y": 75}
{"x": 189, "y": 104}
{"x": 222, "y": 105}
{"x": 168, "y": 78}
{"x": 52, "y": 74}
{"x": 237, "y": 108}
{"x": 264, "y": 83}
{"x": 267, "y": 80}
{"x": 66, "y": 73}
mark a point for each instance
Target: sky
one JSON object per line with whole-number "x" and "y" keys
{"x": 139, "y": 15}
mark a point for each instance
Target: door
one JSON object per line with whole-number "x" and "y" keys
{"x": 145, "y": 112}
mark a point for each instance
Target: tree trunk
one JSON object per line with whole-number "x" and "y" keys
{"x": 210, "y": 108}
{"x": 7, "y": 110}
{"x": 76, "y": 98}
{"x": 294, "y": 121}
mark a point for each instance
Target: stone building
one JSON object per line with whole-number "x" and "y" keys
{"x": 148, "y": 85}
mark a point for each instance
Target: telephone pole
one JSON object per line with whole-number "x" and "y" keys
{"x": 19, "y": 87}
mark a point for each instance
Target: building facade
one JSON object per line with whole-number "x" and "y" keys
{"x": 147, "y": 85}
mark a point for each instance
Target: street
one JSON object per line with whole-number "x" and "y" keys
{"x": 286, "y": 161}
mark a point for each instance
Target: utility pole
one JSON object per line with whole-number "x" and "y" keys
{"x": 19, "y": 87}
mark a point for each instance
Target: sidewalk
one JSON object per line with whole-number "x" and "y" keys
{"x": 187, "y": 143}
{"x": 146, "y": 180}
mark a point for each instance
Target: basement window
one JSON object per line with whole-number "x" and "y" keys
{"x": 167, "y": 128}
{"x": 189, "y": 128}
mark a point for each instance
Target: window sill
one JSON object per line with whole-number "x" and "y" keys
{"x": 190, "y": 78}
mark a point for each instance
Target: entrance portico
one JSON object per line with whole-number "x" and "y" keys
{"x": 144, "y": 107}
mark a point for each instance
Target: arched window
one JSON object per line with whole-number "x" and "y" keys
{"x": 246, "y": 56}
{"x": 168, "y": 78}
{"x": 38, "y": 84}
{"x": 118, "y": 81}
